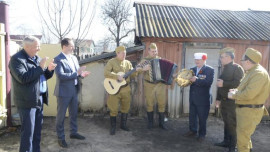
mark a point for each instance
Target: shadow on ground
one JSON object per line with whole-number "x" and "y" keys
{"x": 139, "y": 139}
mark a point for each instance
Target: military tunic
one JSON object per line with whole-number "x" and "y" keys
{"x": 231, "y": 75}
{"x": 123, "y": 96}
{"x": 153, "y": 91}
{"x": 254, "y": 89}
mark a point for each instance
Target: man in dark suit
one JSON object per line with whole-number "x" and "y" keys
{"x": 29, "y": 77}
{"x": 199, "y": 96}
{"x": 66, "y": 90}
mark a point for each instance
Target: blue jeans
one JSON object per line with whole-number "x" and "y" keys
{"x": 31, "y": 125}
{"x": 200, "y": 112}
{"x": 62, "y": 105}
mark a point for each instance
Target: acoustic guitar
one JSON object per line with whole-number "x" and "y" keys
{"x": 112, "y": 86}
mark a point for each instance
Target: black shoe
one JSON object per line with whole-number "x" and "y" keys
{"x": 77, "y": 136}
{"x": 200, "y": 139}
{"x": 62, "y": 143}
{"x": 190, "y": 134}
{"x": 222, "y": 144}
{"x": 123, "y": 124}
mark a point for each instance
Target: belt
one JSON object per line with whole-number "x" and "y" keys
{"x": 249, "y": 106}
{"x": 226, "y": 99}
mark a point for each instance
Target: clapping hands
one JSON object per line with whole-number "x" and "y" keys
{"x": 82, "y": 72}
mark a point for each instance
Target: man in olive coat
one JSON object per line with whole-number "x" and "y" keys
{"x": 230, "y": 78}
{"x": 250, "y": 97}
{"x": 153, "y": 90}
{"x": 112, "y": 68}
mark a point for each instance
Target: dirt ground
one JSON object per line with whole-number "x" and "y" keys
{"x": 139, "y": 139}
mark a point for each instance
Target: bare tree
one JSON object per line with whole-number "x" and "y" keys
{"x": 116, "y": 15}
{"x": 66, "y": 17}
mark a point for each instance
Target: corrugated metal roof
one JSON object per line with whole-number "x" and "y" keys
{"x": 165, "y": 21}
{"x": 111, "y": 54}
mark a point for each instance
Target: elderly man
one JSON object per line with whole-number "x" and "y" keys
{"x": 29, "y": 78}
{"x": 114, "y": 66}
{"x": 199, "y": 96}
{"x": 250, "y": 97}
{"x": 230, "y": 78}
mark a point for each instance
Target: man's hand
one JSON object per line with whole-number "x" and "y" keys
{"x": 52, "y": 65}
{"x": 219, "y": 83}
{"x": 193, "y": 79}
{"x": 217, "y": 103}
{"x": 120, "y": 78}
{"x": 138, "y": 68}
{"x": 81, "y": 69}
{"x": 146, "y": 68}
{"x": 43, "y": 62}
{"x": 231, "y": 93}
{"x": 85, "y": 73}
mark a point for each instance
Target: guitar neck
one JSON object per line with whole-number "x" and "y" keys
{"x": 129, "y": 73}
{"x": 133, "y": 70}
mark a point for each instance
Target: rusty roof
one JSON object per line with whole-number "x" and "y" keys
{"x": 171, "y": 21}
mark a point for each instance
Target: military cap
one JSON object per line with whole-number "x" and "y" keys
{"x": 254, "y": 55}
{"x": 200, "y": 56}
{"x": 153, "y": 46}
{"x": 120, "y": 48}
{"x": 227, "y": 50}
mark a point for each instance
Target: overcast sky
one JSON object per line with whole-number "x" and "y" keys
{"x": 23, "y": 13}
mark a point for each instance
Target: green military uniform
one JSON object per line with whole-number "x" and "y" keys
{"x": 124, "y": 95}
{"x": 252, "y": 93}
{"x": 154, "y": 91}
{"x": 231, "y": 75}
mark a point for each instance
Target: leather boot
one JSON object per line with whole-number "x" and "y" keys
{"x": 150, "y": 116}
{"x": 113, "y": 125}
{"x": 123, "y": 124}
{"x": 161, "y": 121}
{"x": 232, "y": 144}
{"x": 226, "y": 141}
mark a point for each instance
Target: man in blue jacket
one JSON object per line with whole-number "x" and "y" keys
{"x": 29, "y": 77}
{"x": 199, "y": 96}
{"x": 66, "y": 90}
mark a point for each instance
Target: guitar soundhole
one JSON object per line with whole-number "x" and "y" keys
{"x": 111, "y": 85}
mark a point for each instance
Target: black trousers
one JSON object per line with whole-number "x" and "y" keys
{"x": 229, "y": 118}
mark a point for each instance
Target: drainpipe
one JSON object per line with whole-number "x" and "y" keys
{"x": 4, "y": 9}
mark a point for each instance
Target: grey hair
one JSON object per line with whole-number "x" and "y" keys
{"x": 28, "y": 40}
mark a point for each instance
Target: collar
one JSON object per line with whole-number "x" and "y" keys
{"x": 66, "y": 55}
{"x": 253, "y": 68}
{"x": 229, "y": 64}
{"x": 150, "y": 58}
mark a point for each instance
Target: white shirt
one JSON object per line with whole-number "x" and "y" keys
{"x": 71, "y": 64}
{"x": 198, "y": 70}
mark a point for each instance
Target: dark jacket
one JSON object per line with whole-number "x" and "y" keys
{"x": 65, "y": 77}
{"x": 25, "y": 78}
{"x": 199, "y": 93}
{"x": 231, "y": 75}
